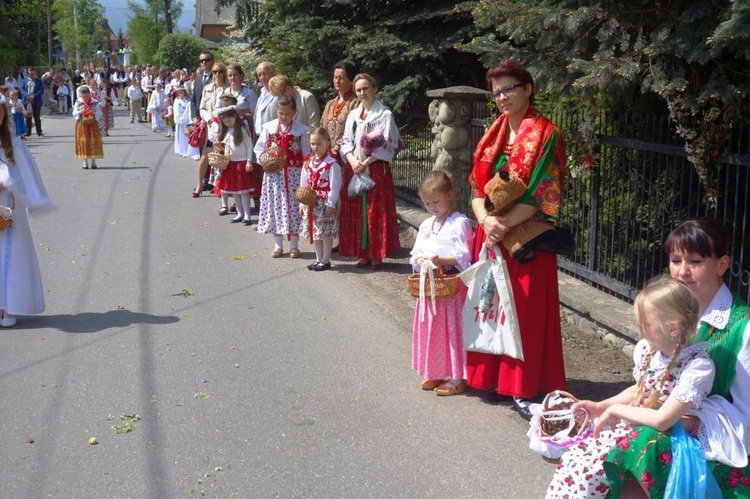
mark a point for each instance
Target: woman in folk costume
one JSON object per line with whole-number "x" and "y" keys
{"x": 21, "y": 187}
{"x": 87, "y": 112}
{"x": 182, "y": 118}
{"x": 523, "y": 142}
{"x": 334, "y": 117}
{"x": 370, "y": 229}
{"x": 279, "y": 214}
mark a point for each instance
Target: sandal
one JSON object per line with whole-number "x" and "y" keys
{"x": 277, "y": 253}
{"x": 223, "y": 211}
{"x": 448, "y": 388}
{"x": 362, "y": 263}
{"x": 431, "y": 384}
{"x": 294, "y": 253}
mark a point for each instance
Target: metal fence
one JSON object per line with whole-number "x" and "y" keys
{"x": 641, "y": 187}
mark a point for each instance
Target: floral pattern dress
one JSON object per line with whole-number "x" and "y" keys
{"x": 580, "y": 472}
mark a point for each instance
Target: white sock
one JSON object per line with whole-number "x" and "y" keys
{"x": 318, "y": 244}
{"x": 224, "y": 200}
{"x": 327, "y": 249}
{"x": 278, "y": 242}
{"x": 245, "y": 203}
{"x": 294, "y": 243}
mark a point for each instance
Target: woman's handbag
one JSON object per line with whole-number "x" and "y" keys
{"x": 6, "y": 213}
{"x": 272, "y": 159}
{"x": 489, "y": 314}
{"x": 219, "y": 157}
{"x": 199, "y": 135}
{"x": 359, "y": 184}
{"x": 554, "y": 426}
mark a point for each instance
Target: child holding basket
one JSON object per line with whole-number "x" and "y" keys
{"x": 445, "y": 240}
{"x": 320, "y": 223}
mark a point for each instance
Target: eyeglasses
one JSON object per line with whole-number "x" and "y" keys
{"x": 507, "y": 91}
{"x": 204, "y": 60}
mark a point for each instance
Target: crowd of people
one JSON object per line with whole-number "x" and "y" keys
{"x": 326, "y": 177}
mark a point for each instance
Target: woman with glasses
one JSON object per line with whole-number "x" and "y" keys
{"x": 523, "y": 142}
{"x": 247, "y": 98}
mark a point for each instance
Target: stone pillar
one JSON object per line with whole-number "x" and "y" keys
{"x": 451, "y": 116}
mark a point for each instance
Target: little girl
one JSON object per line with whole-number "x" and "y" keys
{"x": 18, "y": 111}
{"x": 181, "y": 112}
{"x": 168, "y": 116}
{"x": 320, "y": 223}
{"x": 672, "y": 376}
{"x": 156, "y": 106}
{"x": 236, "y": 179}
{"x": 278, "y": 209}
{"x": 87, "y": 112}
{"x": 445, "y": 239}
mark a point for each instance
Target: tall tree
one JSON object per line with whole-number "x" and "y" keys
{"x": 407, "y": 45}
{"x": 179, "y": 50}
{"x": 22, "y": 39}
{"x": 84, "y": 31}
{"x": 693, "y": 54}
{"x": 147, "y": 26}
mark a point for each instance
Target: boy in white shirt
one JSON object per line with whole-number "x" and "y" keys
{"x": 135, "y": 95}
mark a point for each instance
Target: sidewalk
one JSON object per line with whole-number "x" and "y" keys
{"x": 582, "y": 305}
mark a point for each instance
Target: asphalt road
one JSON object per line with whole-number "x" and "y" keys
{"x": 250, "y": 377}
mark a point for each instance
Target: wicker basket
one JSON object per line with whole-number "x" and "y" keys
{"x": 306, "y": 196}
{"x": 272, "y": 159}
{"x": 445, "y": 285}
{"x": 218, "y": 158}
{"x": 6, "y": 213}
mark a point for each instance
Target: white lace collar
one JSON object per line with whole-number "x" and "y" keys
{"x": 717, "y": 313}
{"x": 660, "y": 360}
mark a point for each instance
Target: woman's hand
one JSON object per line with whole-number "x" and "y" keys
{"x": 593, "y": 409}
{"x": 2, "y": 187}
{"x": 357, "y": 166}
{"x": 248, "y": 167}
{"x": 495, "y": 229}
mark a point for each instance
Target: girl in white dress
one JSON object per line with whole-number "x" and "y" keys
{"x": 279, "y": 213}
{"x": 181, "y": 112}
{"x": 21, "y": 187}
{"x": 672, "y": 377}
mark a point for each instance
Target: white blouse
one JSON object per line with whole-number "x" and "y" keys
{"x": 241, "y": 152}
{"x": 724, "y": 433}
{"x": 450, "y": 237}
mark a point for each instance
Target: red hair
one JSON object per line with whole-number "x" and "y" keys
{"x": 512, "y": 69}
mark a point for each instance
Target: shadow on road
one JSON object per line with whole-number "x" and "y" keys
{"x": 94, "y": 322}
{"x": 596, "y": 390}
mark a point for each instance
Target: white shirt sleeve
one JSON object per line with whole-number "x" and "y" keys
{"x": 334, "y": 177}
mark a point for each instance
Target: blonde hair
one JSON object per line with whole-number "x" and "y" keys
{"x": 676, "y": 307}
{"x": 365, "y": 76}
{"x": 322, "y": 133}
{"x": 278, "y": 85}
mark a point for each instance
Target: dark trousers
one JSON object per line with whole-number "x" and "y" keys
{"x": 36, "y": 111}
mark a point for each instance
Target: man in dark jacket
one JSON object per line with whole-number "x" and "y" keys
{"x": 36, "y": 98}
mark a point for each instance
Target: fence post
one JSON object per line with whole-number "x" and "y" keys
{"x": 451, "y": 114}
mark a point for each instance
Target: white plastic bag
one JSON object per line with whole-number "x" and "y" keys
{"x": 359, "y": 184}
{"x": 496, "y": 329}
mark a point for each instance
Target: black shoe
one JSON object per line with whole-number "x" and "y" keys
{"x": 93, "y": 166}
{"x": 246, "y": 222}
{"x": 223, "y": 211}
{"x": 235, "y": 220}
{"x": 312, "y": 265}
{"x": 208, "y": 187}
{"x": 522, "y": 406}
{"x": 233, "y": 208}
{"x": 40, "y": 135}
{"x": 321, "y": 266}
{"x": 494, "y": 398}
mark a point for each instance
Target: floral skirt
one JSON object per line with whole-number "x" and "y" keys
{"x": 646, "y": 455}
{"x": 324, "y": 227}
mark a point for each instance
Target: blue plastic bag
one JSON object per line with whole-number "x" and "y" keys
{"x": 689, "y": 476}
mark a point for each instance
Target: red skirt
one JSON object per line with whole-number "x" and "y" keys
{"x": 235, "y": 180}
{"x": 535, "y": 289}
{"x": 370, "y": 231}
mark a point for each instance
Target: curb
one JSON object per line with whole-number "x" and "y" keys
{"x": 582, "y": 305}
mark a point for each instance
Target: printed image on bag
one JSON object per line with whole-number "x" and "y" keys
{"x": 490, "y": 318}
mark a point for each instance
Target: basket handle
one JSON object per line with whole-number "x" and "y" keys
{"x": 426, "y": 271}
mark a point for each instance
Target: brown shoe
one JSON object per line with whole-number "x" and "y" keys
{"x": 447, "y": 389}
{"x": 276, "y": 254}
{"x": 431, "y": 384}
{"x": 294, "y": 253}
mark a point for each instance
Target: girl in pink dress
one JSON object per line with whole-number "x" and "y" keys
{"x": 445, "y": 238}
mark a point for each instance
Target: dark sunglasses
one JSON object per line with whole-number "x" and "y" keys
{"x": 205, "y": 60}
